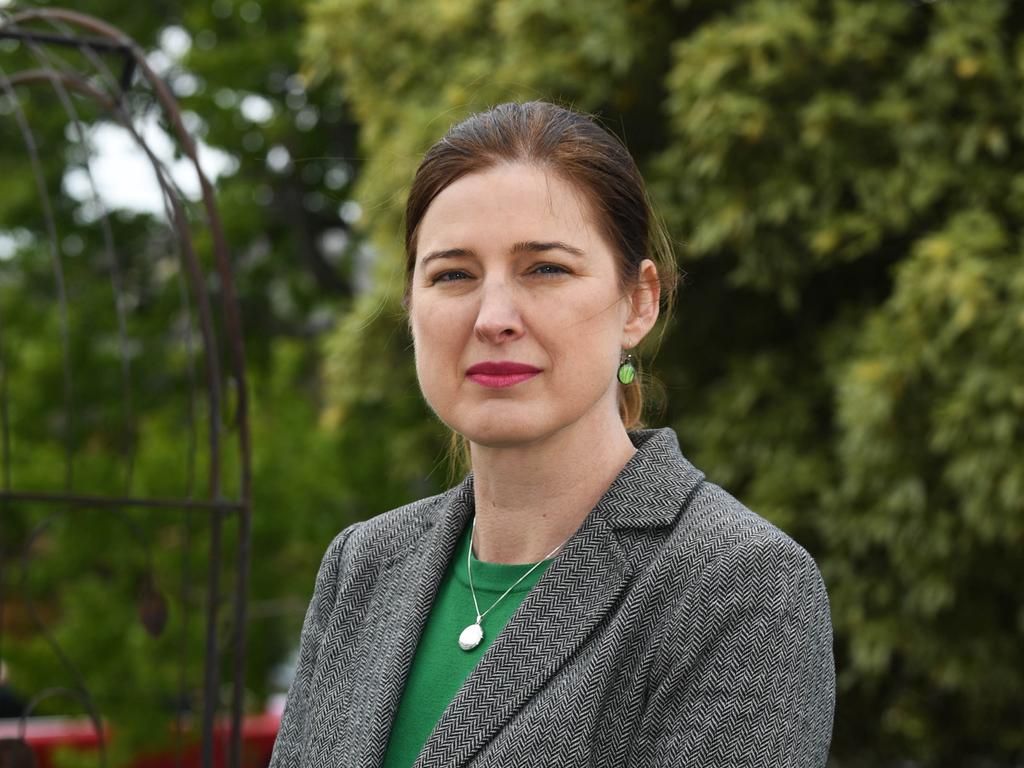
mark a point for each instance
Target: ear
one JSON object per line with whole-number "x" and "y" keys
{"x": 643, "y": 299}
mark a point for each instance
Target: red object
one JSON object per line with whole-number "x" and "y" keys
{"x": 45, "y": 735}
{"x": 500, "y": 373}
{"x": 501, "y": 368}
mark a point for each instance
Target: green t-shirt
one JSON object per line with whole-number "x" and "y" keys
{"x": 440, "y": 665}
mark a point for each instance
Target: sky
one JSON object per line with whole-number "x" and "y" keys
{"x": 120, "y": 176}
{"x": 123, "y": 174}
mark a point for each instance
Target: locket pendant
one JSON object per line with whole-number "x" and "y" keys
{"x": 471, "y": 637}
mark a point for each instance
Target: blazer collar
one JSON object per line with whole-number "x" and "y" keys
{"x": 650, "y": 489}
{"x": 647, "y": 492}
{"x": 556, "y": 617}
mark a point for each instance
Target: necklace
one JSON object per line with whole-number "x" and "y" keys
{"x": 471, "y": 636}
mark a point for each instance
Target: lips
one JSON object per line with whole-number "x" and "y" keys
{"x": 501, "y": 373}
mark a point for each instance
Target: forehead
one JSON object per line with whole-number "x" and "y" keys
{"x": 504, "y": 204}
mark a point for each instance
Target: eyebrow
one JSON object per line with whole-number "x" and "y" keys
{"x": 524, "y": 246}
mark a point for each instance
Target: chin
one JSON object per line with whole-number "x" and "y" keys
{"x": 500, "y": 432}
{"x": 500, "y": 438}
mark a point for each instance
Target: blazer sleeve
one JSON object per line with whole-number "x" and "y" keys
{"x": 751, "y": 681}
{"x": 292, "y": 733}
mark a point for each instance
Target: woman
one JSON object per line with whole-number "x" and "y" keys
{"x": 584, "y": 597}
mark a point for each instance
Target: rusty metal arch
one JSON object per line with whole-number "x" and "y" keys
{"x": 43, "y": 32}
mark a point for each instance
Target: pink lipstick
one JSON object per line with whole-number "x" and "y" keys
{"x": 500, "y": 373}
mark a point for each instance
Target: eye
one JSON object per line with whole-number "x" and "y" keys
{"x": 450, "y": 276}
{"x": 550, "y": 269}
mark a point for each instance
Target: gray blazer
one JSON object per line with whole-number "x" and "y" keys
{"x": 676, "y": 628}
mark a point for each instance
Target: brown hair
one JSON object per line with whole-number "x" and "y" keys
{"x": 583, "y": 153}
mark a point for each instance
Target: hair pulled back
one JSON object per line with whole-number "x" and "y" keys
{"x": 573, "y": 146}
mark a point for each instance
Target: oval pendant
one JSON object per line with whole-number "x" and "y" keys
{"x": 471, "y": 637}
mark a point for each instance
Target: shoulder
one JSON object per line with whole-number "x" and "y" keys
{"x": 723, "y": 531}
{"x": 364, "y": 545}
{"x": 386, "y": 533}
{"x": 742, "y": 568}
{"x": 688, "y": 533}
{"x": 744, "y": 667}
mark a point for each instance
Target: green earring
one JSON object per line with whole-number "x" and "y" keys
{"x": 627, "y": 370}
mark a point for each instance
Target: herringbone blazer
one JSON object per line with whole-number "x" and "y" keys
{"x": 676, "y": 628}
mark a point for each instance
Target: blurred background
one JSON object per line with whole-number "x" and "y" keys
{"x": 844, "y": 183}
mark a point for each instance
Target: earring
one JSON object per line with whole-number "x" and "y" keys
{"x": 627, "y": 370}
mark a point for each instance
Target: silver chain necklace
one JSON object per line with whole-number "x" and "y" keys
{"x": 471, "y": 636}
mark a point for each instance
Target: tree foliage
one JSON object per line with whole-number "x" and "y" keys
{"x": 847, "y": 356}
{"x": 235, "y": 70}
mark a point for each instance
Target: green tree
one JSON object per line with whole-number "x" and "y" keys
{"x": 235, "y": 71}
{"x": 848, "y": 353}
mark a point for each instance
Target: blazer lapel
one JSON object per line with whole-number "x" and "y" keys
{"x": 408, "y": 580}
{"x": 558, "y": 614}
{"x": 563, "y": 609}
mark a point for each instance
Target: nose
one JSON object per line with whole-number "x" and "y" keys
{"x": 498, "y": 319}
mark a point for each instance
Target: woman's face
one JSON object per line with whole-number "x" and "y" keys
{"x": 517, "y": 314}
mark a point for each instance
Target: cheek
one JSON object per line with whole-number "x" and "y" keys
{"x": 428, "y": 361}
{"x": 586, "y": 323}
{"x": 437, "y": 335}
{"x": 430, "y": 323}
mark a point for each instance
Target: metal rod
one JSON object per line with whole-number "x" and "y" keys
{"x": 112, "y": 39}
{"x": 211, "y": 675}
{"x": 58, "y": 272}
{"x": 128, "y": 397}
{"x": 229, "y": 306}
{"x": 80, "y": 691}
{"x": 96, "y": 502}
{"x": 65, "y": 40}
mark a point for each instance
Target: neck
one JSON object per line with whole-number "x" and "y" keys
{"x": 531, "y": 498}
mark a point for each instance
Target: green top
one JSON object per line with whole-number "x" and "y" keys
{"x": 440, "y": 665}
